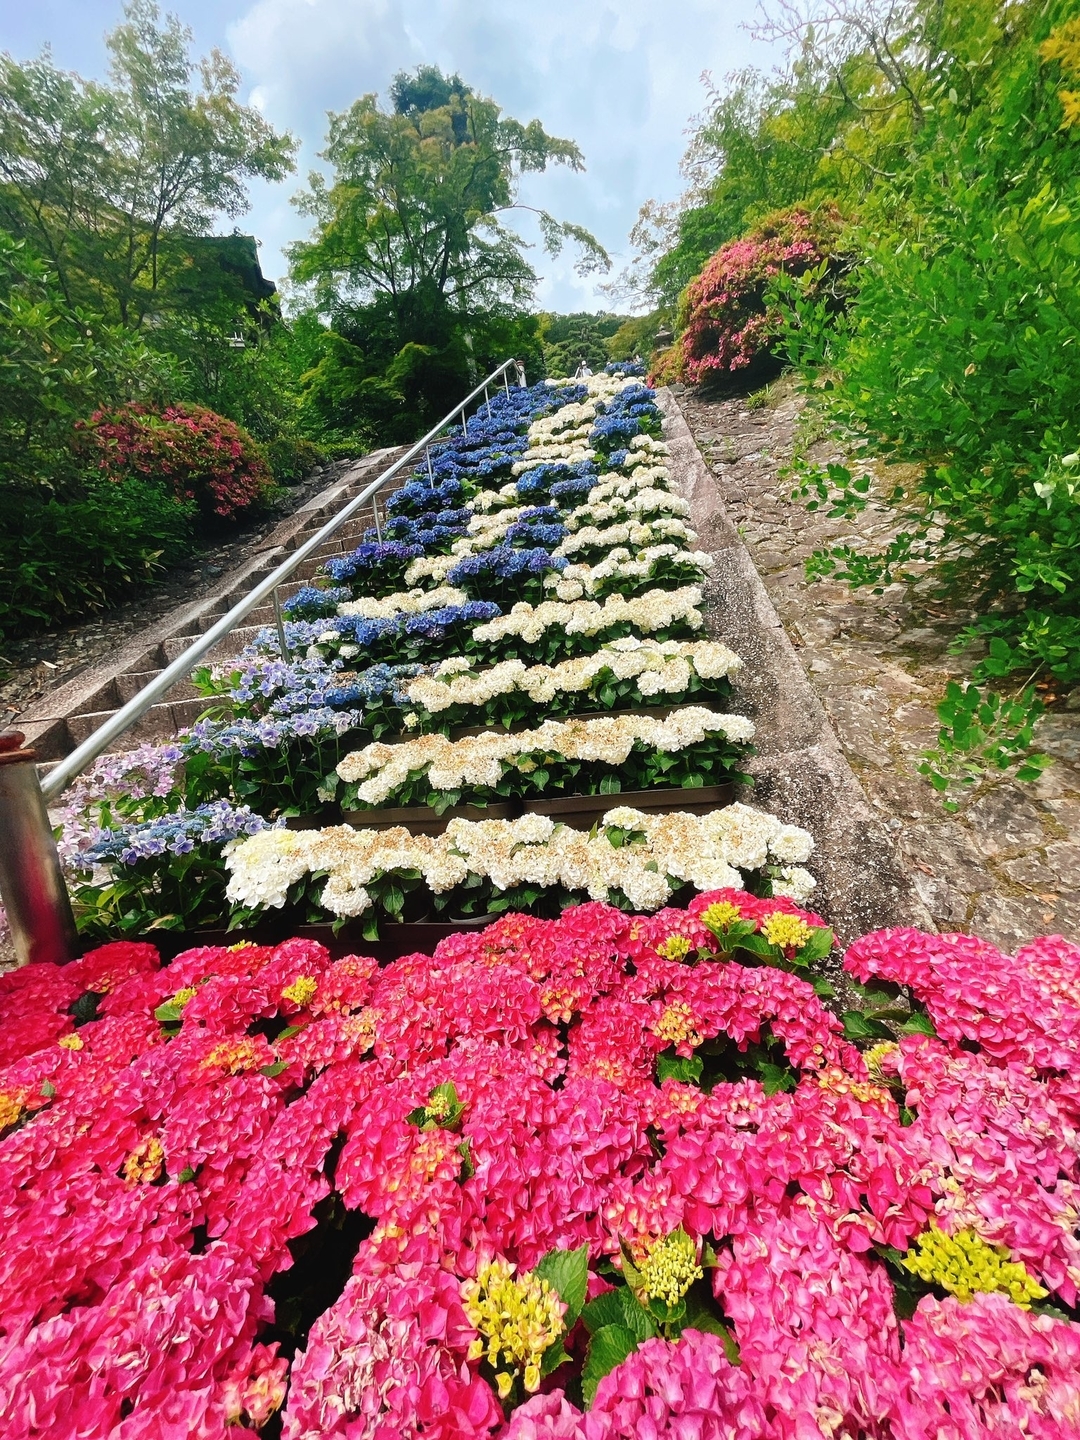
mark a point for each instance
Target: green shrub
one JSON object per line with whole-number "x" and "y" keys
{"x": 291, "y": 458}
{"x": 60, "y": 559}
{"x": 960, "y": 357}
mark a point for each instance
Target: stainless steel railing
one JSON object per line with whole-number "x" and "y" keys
{"x": 31, "y": 883}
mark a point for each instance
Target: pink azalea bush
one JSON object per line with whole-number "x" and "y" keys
{"x": 236, "y": 1195}
{"x": 723, "y": 319}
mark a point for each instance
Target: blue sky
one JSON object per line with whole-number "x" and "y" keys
{"x": 622, "y": 79}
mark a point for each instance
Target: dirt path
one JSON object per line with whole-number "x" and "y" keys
{"x": 1008, "y": 864}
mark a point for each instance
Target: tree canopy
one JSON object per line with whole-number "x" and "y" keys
{"x": 418, "y": 198}
{"x": 109, "y": 183}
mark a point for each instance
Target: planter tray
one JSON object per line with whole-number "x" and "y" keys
{"x": 422, "y": 820}
{"x": 394, "y": 939}
{"x": 582, "y": 811}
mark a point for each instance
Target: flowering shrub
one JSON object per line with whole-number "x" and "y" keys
{"x": 589, "y": 1178}
{"x": 201, "y": 455}
{"x": 693, "y": 746}
{"x": 635, "y": 860}
{"x": 166, "y": 872}
{"x": 722, "y": 317}
{"x": 626, "y": 672}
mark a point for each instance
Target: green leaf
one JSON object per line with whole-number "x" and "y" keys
{"x": 48, "y": 1089}
{"x": 776, "y": 1078}
{"x": 185, "y": 1175}
{"x": 169, "y": 1013}
{"x": 290, "y": 1031}
{"x": 609, "y": 1347}
{"x": 917, "y": 1024}
{"x": 618, "y": 1307}
{"x": 567, "y": 1271}
{"x": 554, "y": 1356}
{"x": 818, "y": 947}
{"x": 275, "y": 1069}
{"x": 678, "y": 1067}
{"x": 606, "y": 1309}
{"x": 858, "y": 1026}
{"x": 700, "y": 1317}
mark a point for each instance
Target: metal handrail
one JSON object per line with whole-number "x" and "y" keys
{"x": 94, "y": 745}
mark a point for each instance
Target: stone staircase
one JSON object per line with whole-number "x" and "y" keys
{"x": 63, "y": 719}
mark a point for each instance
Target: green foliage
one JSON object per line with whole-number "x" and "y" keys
{"x": 416, "y": 197}
{"x": 61, "y": 558}
{"x": 425, "y": 284}
{"x": 961, "y": 353}
{"x": 56, "y": 363}
{"x": 570, "y": 339}
{"x": 635, "y": 336}
{"x": 109, "y": 183}
{"x": 983, "y": 733}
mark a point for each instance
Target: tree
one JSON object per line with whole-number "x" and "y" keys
{"x": 414, "y": 209}
{"x": 55, "y": 365}
{"x": 763, "y": 143}
{"x": 423, "y": 281}
{"x": 569, "y": 339}
{"x": 110, "y": 183}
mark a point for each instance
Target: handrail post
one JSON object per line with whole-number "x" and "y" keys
{"x": 31, "y": 883}
{"x": 283, "y": 644}
{"x": 430, "y": 472}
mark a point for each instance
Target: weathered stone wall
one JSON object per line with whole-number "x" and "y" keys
{"x": 800, "y": 771}
{"x": 1008, "y": 864}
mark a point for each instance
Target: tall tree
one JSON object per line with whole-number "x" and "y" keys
{"x": 414, "y": 211}
{"x": 109, "y": 183}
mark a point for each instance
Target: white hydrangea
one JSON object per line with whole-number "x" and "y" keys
{"x": 579, "y": 580}
{"x": 382, "y": 768}
{"x": 404, "y": 602}
{"x": 659, "y": 668}
{"x": 654, "y": 610}
{"x": 707, "y": 851}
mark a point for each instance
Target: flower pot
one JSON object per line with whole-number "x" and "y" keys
{"x": 583, "y": 811}
{"x": 422, "y": 820}
{"x": 314, "y": 821}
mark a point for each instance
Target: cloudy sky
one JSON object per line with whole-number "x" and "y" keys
{"x": 621, "y": 77}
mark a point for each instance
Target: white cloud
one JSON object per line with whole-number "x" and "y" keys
{"x": 619, "y": 78}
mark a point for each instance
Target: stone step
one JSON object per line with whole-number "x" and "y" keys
{"x": 129, "y": 686}
{"x": 160, "y": 722}
{"x": 83, "y": 705}
{"x": 231, "y": 644}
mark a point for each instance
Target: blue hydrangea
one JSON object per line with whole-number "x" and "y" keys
{"x": 176, "y": 834}
{"x": 311, "y": 602}
{"x": 503, "y": 563}
{"x": 369, "y": 557}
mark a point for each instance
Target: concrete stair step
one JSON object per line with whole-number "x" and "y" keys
{"x": 232, "y": 644}
{"x": 130, "y": 685}
{"x": 160, "y": 722}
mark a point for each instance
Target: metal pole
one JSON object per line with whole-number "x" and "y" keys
{"x": 283, "y": 644}
{"x": 31, "y": 884}
{"x": 430, "y": 472}
{"x": 375, "y": 512}
{"x": 506, "y": 385}
{"x": 487, "y": 402}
